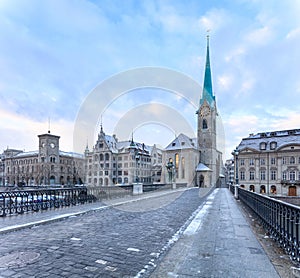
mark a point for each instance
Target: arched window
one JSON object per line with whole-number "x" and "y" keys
{"x": 101, "y": 157}
{"x": 176, "y": 164}
{"x": 252, "y": 188}
{"x": 182, "y": 168}
{"x": 273, "y": 189}
{"x": 204, "y": 124}
{"x": 106, "y": 156}
{"x": 292, "y": 160}
{"x": 262, "y": 189}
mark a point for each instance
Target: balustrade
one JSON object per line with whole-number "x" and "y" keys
{"x": 280, "y": 219}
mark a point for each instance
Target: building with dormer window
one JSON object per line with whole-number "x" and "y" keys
{"x": 269, "y": 162}
{"x": 121, "y": 162}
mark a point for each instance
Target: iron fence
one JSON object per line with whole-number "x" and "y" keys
{"x": 33, "y": 200}
{"x": 280, "y": 219}
{"x": 18, "y": 202}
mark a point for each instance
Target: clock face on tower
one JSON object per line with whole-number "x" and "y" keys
{"x": 205, "y": 110}
{"x": 52, "y": 145}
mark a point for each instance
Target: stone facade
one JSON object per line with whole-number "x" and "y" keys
{"x": 269, "y": 162}
{"x": 47, "y": 166}
{"x": 183, "y": 153}
{"x": 125, "y": 162}
{"x": 202, "y": 160}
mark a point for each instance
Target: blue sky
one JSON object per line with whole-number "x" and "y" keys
{"x": 54, "y": 53}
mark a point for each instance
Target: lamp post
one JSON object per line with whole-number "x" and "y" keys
{"x": 134, "y": 151}
{"x": 236, "y": 156}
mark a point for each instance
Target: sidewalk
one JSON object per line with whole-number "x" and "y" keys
{"x": 218, "y": 243}
{"x": 19, "y": 221}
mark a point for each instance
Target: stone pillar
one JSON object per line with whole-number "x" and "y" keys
{"x": 137, "y": 188}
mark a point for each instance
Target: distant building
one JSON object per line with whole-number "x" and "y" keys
{"x": 184, "y": 155}
{"x": 229, "y": 172}
{"x": 46, "y": 166}
{"x": 269, "y": 162}
{"x": 121, "y": 162}
{"x": 197, "y": 161}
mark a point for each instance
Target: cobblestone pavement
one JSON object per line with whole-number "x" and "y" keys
{"x": 123, "y": 241}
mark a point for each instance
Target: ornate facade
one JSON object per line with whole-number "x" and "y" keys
{"x": 269, "y": 162}
{"x": 47, "y": 166}
{"x": 125, "y": 162}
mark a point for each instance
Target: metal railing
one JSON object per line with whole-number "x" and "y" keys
{"x": 280, "y": 219}
{"x": 18, "y": 202}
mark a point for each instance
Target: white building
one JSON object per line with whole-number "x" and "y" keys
{"x": 125, "y": 162}
{"x": 269, "y": 162}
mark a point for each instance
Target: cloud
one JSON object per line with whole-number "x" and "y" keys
{"x": 260, "y": 36}
{"x": 21, "y": 132}
{"x": 295, "y": 33}
{"x": 214, "y": 19}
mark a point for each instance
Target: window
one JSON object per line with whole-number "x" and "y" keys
{"x": 284, "y": 175}
{"x": 251, "y": 161}
{"x": 176, "y": 164}
{"x": 182, "y": 168}
{"x": 273, "y": 189}
{"x": 273, "y": 175}
{"x": 242, "y": 175}
{"x": 292, "y": 175}
{"x": 262, "y": 175}
{"x": 273, "y": 160}
{"x": 262, "y": 146}
{"x": 251, "y": 175}
{"x": 262, "y": 161}
{"x": 204, "y": 124}
{"x": 284, "y": 160}
{"x": 273, "y": 145}
{"x": 292, "y": 160}
{"x": 242, "y": 162}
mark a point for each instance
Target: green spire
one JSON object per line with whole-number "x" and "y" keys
{"x": 207, "y": 93}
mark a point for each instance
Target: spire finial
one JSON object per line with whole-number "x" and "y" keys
{"x": 49, "y": 125}
{"x": 101, "y": 128}
{"x": 207, "y": 93}
{"x": 207, "y": 36}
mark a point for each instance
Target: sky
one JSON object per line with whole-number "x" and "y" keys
{"x": 55, "y": 54}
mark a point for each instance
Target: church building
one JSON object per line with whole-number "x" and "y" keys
{"x": 197, "y": 161}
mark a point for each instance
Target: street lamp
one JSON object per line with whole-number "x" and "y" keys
{"x": 134, "y": 151}
{"x": 235, "y": 153}
{"x": 135, "y": 154}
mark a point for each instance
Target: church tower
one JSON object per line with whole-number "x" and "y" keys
{"x": 207, "y": 114}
